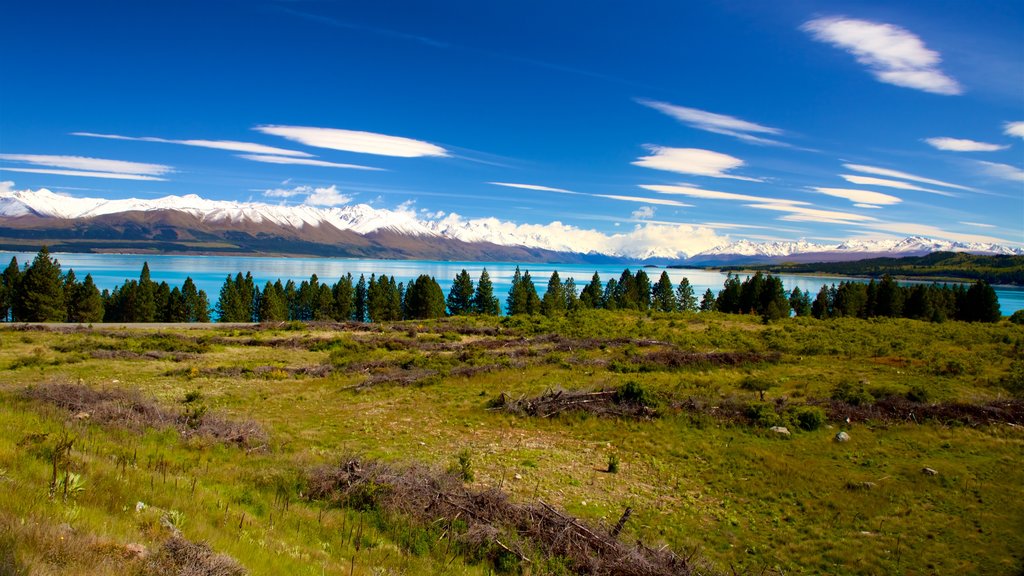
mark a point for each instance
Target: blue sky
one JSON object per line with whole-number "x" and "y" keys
{"x": 768, "y": 121}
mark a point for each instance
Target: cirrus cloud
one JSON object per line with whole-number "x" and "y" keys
{"x": 893, "y": 54}
{"x": 355, "y": 141}
{"x": 1014, "y": 129}
{"x": 693, "y": 161}
{"x": 904, "y": 176}
{"x": 230, "y": 145}
{"x": 963, "y": 145}
{"x": 303, "y": 161}
{"x": 716, "y": 123}
{"x": 87, "y": 167}
{"x": 860, "y": 197}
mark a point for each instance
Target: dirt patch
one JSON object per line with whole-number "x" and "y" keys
{"x": 488, "y": 521}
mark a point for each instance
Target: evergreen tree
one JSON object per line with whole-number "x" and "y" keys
{"x": 344, "y": 298}
{"x": 484, "y": 301}
{"x": 273, "y": 306}
{"x": 197, "y": 307}
{"x": 685, "y": 299}
{"x": 176, "y": 311}
{"x": 982, "y": 303}
{"x": 70, "y": 300}
{"x": 889, "y": 298}
{"x": 664, "y": 294}
{"x": 89, "y": 302}
{"x": 460, "y": 297}
{"x": 425, "y": 299}
{"x": 323, "y": 303}
{"x": 572, "y": 299}
{"x": 609, "y": 299}
{"x": 161, "y": 301}
{"x": 231, "y": 306}
{"x": 729, "y": 298}
{"x": 627, "y": 297}
{"x": 359, "y": 308}
{"x": 643, "y": 290}
{"x": 592, "y": 293}
{"x": 530, "y": 294}
{"x": 144, "y": 305}
{"x": 553, "y": 303}
{"x": 800, "y": 302}
{"x": 707, "y": 302}
{"x": 42, "y": 291}
{"x": 822, "y": 306}
{"x": 10, "y": 290}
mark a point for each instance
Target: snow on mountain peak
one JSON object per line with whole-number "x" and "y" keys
{"x": 647, "y": 241}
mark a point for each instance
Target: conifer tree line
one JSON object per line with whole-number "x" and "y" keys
{"x": 39, "y": 292}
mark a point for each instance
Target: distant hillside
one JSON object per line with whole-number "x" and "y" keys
{"x": 994, "y": 269}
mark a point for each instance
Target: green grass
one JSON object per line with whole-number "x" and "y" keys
{"x": 739, "y": 494}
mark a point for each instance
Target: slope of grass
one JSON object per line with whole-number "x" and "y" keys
{"x": 733, "y": 491}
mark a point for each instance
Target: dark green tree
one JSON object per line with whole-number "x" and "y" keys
{"x": 197, "y": 305}
{"x": 484, "y": 301}
{"x": 273, "y": 306}
{"x": 42, "y": 290}
{"x": 359, "y": 302}
{"x": 800, "y": 302}
{"x": 685, "y": 298}
{"x": 231, "y": 305}
{"x": 10, "y": 289}
{"x": 344, "y": 298}
{"x": 460, "y": 297}
{"x": 663, "y": 295}
{"x": 729, "y": 297}
{"x": 89, "y": 304}
{"x": 982, "y": 304}
{"x": 889, "y": 298}
{"x": 572, "y": 299}
{"x": 144, "y": 309}
{"x": 708, "y": 302}
{"x": 425, "y": 299}
{"x": 553, "y": 303}
{"x": 822, "y": 306}
{"x": 593, "y": 293}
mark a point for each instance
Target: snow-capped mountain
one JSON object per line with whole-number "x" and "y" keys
{"x": 192, "y": 223}
{"x": 745, "y": 251}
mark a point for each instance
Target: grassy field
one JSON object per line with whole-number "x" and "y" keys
{"x": 213, "y": 436}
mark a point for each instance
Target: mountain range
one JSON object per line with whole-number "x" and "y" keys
{"x": 192, "y": 224}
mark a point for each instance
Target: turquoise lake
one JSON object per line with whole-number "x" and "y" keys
{"x": 209, "y": 272}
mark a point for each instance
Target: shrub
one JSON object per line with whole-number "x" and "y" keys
{"x": 633, "y": 393}
{"x": 762, "y": 414}
{"x": 851, "y": 393}
{"x": 757, "y": 384}
{"x": 463, "y": 465}
{"x": 613, "y": 463}
{"x": 1017, "y": 317}
{"x": 918, "y": 393}
{"x": 809, "y": 418}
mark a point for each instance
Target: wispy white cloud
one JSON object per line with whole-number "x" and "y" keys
{"x": 230, "y": 145}
{"x": 860, "y": 196}
{"x": 963, "y": 145}
{"x": 303, "y": 161}
{"x": 314, "y": 196}
{"x": 805, "y": 214}
{"x": 534, "y": 187}
{"x": 87, "y": 167}
{"x": 872, "y": 181}
{"x": 83, "y": 173}
{"x": 694, "y": 192}
{"x": 716, "y": 123}
{"x": 660, "y": 201}
{"x": 869, "y": 206}
{"x": 85, "y": 163}
{"x": 692, "y": 161}
{"x": 894, "y": 55}
{"x": 643, "y": 213}
{"x": 904, "y": 176}
{"x": 1014, "y": 129}
{"x": 977, "y": 224}
{"x": 1003, "y": 171}
{"x": 355, "y": 141}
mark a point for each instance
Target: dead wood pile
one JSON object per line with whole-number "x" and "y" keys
{"x": 491, "y": 519}
{"x": 552, "y": 402}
